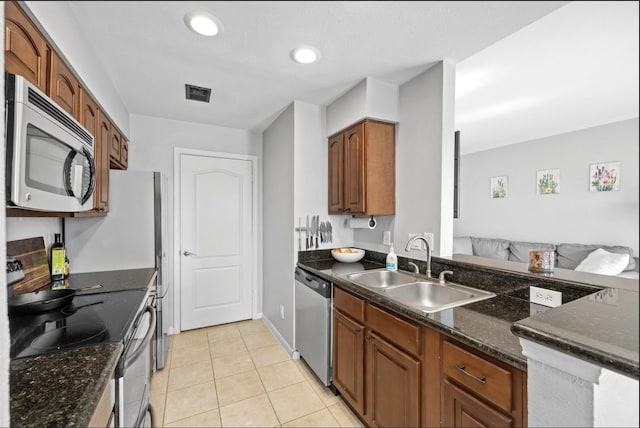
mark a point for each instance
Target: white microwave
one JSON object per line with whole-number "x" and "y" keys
{"x": 50, "y": 162}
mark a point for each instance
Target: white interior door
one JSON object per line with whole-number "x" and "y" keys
{"x": 216, "y": 240}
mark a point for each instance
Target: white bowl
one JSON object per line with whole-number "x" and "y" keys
{"x": 355, "y": 255}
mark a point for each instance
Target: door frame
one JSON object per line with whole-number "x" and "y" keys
{"x": 177, "y": 274}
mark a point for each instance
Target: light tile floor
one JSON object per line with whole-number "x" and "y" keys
{"x": 238, "y": 375}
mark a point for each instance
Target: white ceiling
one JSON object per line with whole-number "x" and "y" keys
{"x": 149, "y": 54}
{"x": 575, "y": 68}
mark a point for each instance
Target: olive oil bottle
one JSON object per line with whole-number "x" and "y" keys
{"x": 57, "y": 256}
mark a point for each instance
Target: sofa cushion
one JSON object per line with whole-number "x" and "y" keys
{"x": 490, "y": 247}
{"x": 570, "y": 255}
{"x": 519, "y": 250}
{"x": 603, "y": 262}
{"x": 462, "y": 245}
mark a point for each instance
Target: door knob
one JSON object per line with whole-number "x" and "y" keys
{"x": 188, "y": 253}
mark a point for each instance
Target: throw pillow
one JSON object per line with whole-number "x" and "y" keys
{"x": 604, "y": 263}
{"x": 570, "y": 255}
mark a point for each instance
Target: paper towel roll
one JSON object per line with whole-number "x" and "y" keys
{"x": 363, "y": 223}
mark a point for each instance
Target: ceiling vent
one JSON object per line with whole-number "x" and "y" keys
{"x": 198, "y": 93}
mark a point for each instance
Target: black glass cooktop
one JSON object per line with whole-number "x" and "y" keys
{"x": 88, "y": 320}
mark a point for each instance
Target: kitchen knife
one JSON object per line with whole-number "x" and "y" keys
{"x": 299, "y": 234}
{"x": 316, "y": 229}
{"x": 307, "y": 233}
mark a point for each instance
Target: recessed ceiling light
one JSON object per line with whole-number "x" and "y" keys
{"x": 203, "y": 23}
{"x": 305, "y": 54}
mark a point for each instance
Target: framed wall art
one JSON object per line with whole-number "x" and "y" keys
{"x": 604, "y": 176}
{"x": 548, "y": 182}
{"x": 499, "y": 187}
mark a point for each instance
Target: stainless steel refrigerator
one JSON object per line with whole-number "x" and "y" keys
{"x": 132, "y": 235}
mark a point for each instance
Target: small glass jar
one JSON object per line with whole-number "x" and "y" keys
{"x": 542, "y": 261}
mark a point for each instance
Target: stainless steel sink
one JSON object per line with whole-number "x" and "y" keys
{"x": 380, "y": 278}
{"x": 433, "y": 296}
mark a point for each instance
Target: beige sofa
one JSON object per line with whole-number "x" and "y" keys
{"x": 568, "y": 256}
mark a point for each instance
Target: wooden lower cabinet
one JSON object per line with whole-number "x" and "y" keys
{"x": 393, "y": 385}
{"x": 394, "y": 372}
{"x": 348, "y": 360}
{"x": 480, "y": 391}
{"x": 461, "y": 409}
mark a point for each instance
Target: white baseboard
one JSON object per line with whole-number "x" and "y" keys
{"x": 278, "y": 336}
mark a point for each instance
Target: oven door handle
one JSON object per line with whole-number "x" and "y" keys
{"x": 145, "y": 342}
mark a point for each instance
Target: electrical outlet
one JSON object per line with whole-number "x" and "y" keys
{"x": 282, "y": 311}
{"x": 386, "y": 237}
{"x": 545, "y": 297}
{"x": 417, "y": 245}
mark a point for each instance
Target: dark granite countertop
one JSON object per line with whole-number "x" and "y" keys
{"x": 601, "y": 328}
{"x": 598, "y": 324}
{"x": 483, "y": 325}
{"x": 113, "y": 280}
{"x": 61, "y": 389}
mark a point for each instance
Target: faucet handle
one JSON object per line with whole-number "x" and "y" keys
{"x": 441, "y": 277}
{"x": 415, "y": 267}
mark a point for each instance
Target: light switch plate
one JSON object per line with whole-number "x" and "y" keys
{"x": 545, "y": 297}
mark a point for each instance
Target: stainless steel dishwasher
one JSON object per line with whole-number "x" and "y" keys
{"x": 313, "y": 323}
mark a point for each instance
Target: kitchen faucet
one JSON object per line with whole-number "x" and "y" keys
{"x": 408, "y": 248}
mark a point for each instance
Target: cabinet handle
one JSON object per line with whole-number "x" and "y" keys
{"x": 480, "y": 379}
{"x": 357, "y": 330}
{"x": 368, "y": 338}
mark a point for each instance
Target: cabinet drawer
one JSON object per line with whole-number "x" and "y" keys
{"x": 479, "y": 375}
{"x": 348, "y": 304}
{"x": 394, "y": 329}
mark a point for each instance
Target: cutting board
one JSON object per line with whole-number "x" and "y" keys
{"x": 33, "y": 255}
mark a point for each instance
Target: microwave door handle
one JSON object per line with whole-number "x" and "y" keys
{"x": 92, "y": 175}
{"x": 67, "y": 173}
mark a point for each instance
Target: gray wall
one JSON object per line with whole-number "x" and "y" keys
{"x": 575, "y": 215}
{"x": 278, "y": 220}
{"x": 424, "y": 165}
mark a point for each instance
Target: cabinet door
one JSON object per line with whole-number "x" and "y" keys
{"x": 104, "y": 132}
{"x": 90, "y": 120}
{"x": 354, "y": 186}
{"x": 336, "y": 174}
{"x": 393, "y": 385}
{"x": 124, "y": 153}
{"x": 461, "y": 409}
{"x": 64, "y": 87}
{"x": 348, "y": 360}
{"x": 25, "y": 49}
{"x": 114, "y": 151}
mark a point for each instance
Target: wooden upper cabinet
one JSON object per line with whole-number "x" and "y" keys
{"x": 362, "y": 174}
{"x": 119, "y": 150}
{"x": 104, "y": 135}
{"x": 26, "y": 51}
{"x": 64, "y": 87}
{"x": 124, "y": 153}
{"x": 336, "y": 173}
{"x": 354, "y": 164}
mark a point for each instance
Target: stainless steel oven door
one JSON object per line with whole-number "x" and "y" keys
{"x": 134, "y": 384}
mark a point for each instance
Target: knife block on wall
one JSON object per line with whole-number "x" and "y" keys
{"x": 33, "y": 255}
